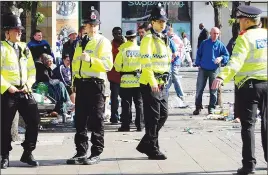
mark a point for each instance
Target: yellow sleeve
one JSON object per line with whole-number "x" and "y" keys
{"x": 118, "y": 63}
{"x": 104, "y": 62}
{"x": 146, "y": 53}
{"x": 4, "y": 84}
{"x": 31, "y": 71}
{"x": 76, "y": 61}
{"x": 239, "y": 55}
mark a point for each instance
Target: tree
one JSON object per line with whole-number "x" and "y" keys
{"x": 217, "y": 5}
{"x": 232, "y": 21}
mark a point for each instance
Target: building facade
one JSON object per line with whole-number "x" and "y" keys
{"x": 185, "y": 16}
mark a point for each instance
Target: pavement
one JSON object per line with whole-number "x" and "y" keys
{"x": 209, "y": 147}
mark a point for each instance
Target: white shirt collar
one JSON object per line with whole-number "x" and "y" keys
{"x": 14, "y": 45}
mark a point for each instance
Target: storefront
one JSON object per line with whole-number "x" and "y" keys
{"x": 135, "y": 13}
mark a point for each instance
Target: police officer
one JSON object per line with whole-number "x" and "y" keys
{"x": 155, "y": 58}
{"x": 17, "y": 77}
{"x": 90, "y": 63}
{"x": 127, "y": 63}
{"x": 249, "y": 66}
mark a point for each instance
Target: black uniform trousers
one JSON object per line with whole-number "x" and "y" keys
{"x": 155, "y": 106}
{"x": 252, "y": 96}
{"x": 89, "y": 111}
{"x": 126, "y": 95}
{"x": 27, "y": 107}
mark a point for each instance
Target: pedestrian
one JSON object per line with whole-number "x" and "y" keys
{"x": 142, "y": 30}
{"x": 188, "y": 49}
{"x": 90, "y": 63}
{"x": 69, "y": 46}
{"x": 114, "y": 77}
{"x": 127, "y": 63}
{"x": 230, "y": 47}
{"x": 17, "y": 78}
{"x": 155, "y": 58}
{"x": 174, "y": 71}
{"x": 249, "y": 66}
{"x": 204, "y": 34}
{"x": 210, "y": 55}
{"x": 38, "y": 46}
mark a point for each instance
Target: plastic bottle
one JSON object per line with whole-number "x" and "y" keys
{"x": 42, "y": 98}
{"x": 231, "y": 113}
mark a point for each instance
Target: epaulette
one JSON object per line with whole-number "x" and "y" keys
{"x": 242, "y": 32}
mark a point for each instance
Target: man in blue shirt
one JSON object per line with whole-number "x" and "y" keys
{"x": 38, "y": 46}
{"x": 210, "y": 55}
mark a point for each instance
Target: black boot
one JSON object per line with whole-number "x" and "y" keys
{"x": 157, "y": 156}
{"x": 5, "y": 162}
{"x": 92, "y": 160}
{"x": 28, "y": 158}
{"x": 79, "y": 158}
{"x": 245, "y": 171}
{"x": 197, "y": 110}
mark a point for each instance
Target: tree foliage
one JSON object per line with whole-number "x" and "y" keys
{"x": 217, "y": 5}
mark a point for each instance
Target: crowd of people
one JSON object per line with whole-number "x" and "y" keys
{"x": 140, "y": 70}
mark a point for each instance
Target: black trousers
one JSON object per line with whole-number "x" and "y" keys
{"x": 252, "y": 96}
{"x": 89, "y": 110}
{"x": 155, "y": 106}
{"x": 27, "y": 107}
{"x": 126, "y": 95}
{"x": 236, "y": 104}
{"x": 114, "y": 87}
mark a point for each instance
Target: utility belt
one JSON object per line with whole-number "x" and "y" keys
{"x": 251, "y": 82}
{"x": 135, "y": 73}
{"x": 164, "y": 76}
{"x": 89, "y": 80}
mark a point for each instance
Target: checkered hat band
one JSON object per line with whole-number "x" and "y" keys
{"x": 239, "y": 13}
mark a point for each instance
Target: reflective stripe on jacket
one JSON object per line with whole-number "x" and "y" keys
{"x": 155, "y": 57}
{"x": 100, "y": 50}
{"x": 249, "y": 58}
{"x": 127, "y": 60}
{"x": 16, "y": 71}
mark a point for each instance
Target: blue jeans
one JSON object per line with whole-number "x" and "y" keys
{"x": 201, "y": 82}
{"x": 174, "y": 78}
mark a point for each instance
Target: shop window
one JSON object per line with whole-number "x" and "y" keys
{"x": 135, "y": 13}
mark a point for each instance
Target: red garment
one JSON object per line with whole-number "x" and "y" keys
{"x": 114, "y": 76}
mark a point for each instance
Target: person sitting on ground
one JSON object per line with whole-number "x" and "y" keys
{"x": 56, "y": 89}
{"x": 63, "y": 73}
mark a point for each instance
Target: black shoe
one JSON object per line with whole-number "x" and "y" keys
{"x": 4, "y": 162}
{"x": 141, "y": 149}
{"x": 245, "y": 171}
{"x": 28, "y": 158}
{"x": 197, "y": 111}
{"x": 92, "y": 160}
{"x": 78, "y": 159}
{"x": 123, "y": 129}
{"x": 157, "y": 156}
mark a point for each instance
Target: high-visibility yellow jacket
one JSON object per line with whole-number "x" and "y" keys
{"x": 16, "y": 71}
{"x": 99, "y": 49}
{"x": 127, "y": 60}
{"x": 155, "y": 57}
{"x": 249, "y": 57}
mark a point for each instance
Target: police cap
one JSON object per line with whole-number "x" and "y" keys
{"x": 158, "y": 13}
{"x": 10, "y": 21}
{"x": 131, "y": 33}
{"x": 245, "y": 11}
{"x": 93, "y": 17}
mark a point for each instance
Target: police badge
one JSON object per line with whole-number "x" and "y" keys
{"x": 93, "y": 16}
{"x": 162, "y": 12}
